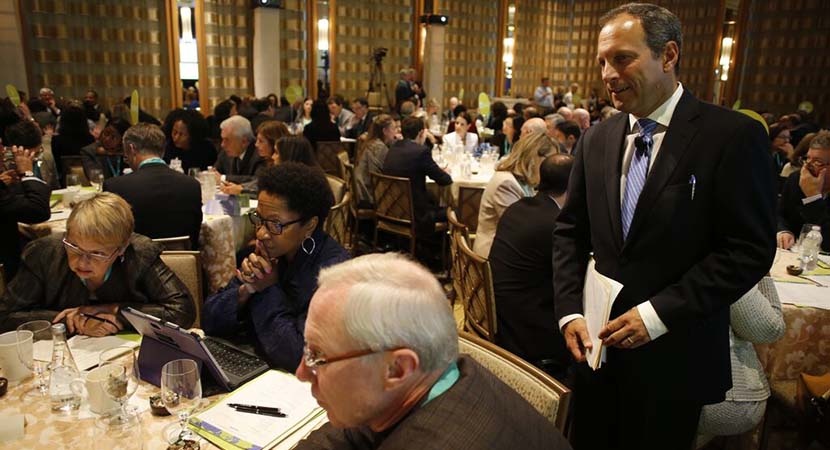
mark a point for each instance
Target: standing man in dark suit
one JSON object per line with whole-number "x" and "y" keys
{"x": 238, "y": 161}
{"x": 410, "y": 158}
{"x": 522, "y": 272}
{"x": 677, "y": 203}
{"x": 165, "y": 203}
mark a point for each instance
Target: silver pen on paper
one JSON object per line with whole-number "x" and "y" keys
{"x": 693, "y": 183}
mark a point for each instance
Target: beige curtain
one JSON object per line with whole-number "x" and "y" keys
{"x": 112, "y": 47}
{"x": 228, "y": 38}
{"x": 470, "y": 49}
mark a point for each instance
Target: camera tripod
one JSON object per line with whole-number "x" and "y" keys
{"x": 377, "y": 83}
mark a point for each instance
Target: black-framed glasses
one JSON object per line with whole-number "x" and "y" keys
{"x": 274, "y": 227}
{"x": 314, "y": 359}
{"x": 90, "y": 256}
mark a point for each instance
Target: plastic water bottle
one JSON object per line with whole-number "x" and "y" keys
{"x": 810, "y": 248}
{"x": 63, "y": 371}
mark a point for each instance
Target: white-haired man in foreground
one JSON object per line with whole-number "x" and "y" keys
{"x": 382, "y": 357}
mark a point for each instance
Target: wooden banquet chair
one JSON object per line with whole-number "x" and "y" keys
{"x": 469, "y": 203}
{"x": 356, "y": 213}
{"x": 547, "y": 395}
{"x": 175, "y": 243}
{"x": 337, "y": 222}
{"x": 394, "y": 210}
{"x": 477, "y": 298}
{"x": 187, "y": 265}
{"x": 330, "y": 156}
{"x": 456, "y": 229}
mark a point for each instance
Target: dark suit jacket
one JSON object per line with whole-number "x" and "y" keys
{"x": 408, "y": 159}
{"x": 28, "y": 202}
{"x": 522, "y": 275}
{"x": 200, "y": 155}
{"x": 165, "y": 203}
{"x": 317, "y": 131}
{"x": 248, "y": 167}
{"x": 478, "y": 412}
{"x": 691, "y": 257}
{"x": 793, "y": 214}
{"x": 361, "y": 127}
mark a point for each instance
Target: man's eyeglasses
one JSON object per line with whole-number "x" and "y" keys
{"x": 274, "y": 227}
{"x": 314, "y": 359}
{"x": 91, "y": 256}
{"x": 815, "y": 166}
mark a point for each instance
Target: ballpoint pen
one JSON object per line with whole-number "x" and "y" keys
{"x": 693, "y": 182}
{"x": 100, "y": 319}
{"x": 254, "y": 409}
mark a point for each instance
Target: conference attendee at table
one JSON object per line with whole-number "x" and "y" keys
{"x": 534, "y": 125}
{"x": 520, "y": 259}
{"x": 516, "y": 177}
{"x": 797, "y": 158}
{"x": 97, "y": 268}
{"x": 381, "y": 136}
{"x": 409, "y": 158}
{"x": 361, "y": 120}
{"x": 266, "y": 304}
{"x": 238, "y": 161}
{"x": 461, "y": 137}
{"x": 105, "y": 154}
{"x": 781, "y": 149}
{"x": 187, "y": 140}
{"x": 304, "y": 114}
{"x": 165, "y": 203}
{"x": 806, "y": 195}
{"x": 268, "y": 133}
{"x": 341, "y": 116}
{"x": 23, "y": 198}
{"x": 321, "y": 128}
{"x": 72, "y": 135}
{"x": 567, "y": 133}
{"x": 756, "y": 318}
{"x": 381, "y": 354}
{"x": 512, "y": 127}
{"x": 26, "y": 135}
{"x": 685, "y": 244}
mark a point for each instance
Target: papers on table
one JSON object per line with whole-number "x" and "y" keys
{"x": 808, "y": 289}
{"x": 597, "y": 298}
{"x": 785, "y": 258}
{"x": 85, "y": 350}
{"x": 231, "y": 429}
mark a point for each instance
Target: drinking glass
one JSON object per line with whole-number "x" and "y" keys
{"x": 804, "y": 230}
{"x": 41, "y": 332}
{"x": 122, "y": 382}
{"x": 96, "y": 179}
{"x": 120, "y": 436}
{"x": 181, "y": 392}
{"x": 73, "y": 182}
{"x": 194, "y": 172}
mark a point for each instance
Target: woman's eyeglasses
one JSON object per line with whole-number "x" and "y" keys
{"x": 91, "y": 256}
{"x": 274, "y": 227}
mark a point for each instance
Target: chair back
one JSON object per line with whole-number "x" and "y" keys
{"x": 469, "y": 202}
{"x": 338, "y": 187}
{"x": 328, "y": 155}
{"x": 476, "y": 291}
{"x": 187, "y": 265}
{"x": 175, "y": 243}
{"x": 455, "y": 228}
{"x": 337, "y": 222}
{"x": 393, "y": 199}
{"x": 550, "y": 397}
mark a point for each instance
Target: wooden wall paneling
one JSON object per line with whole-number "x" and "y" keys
{"x": 471, "y": 49}
{"x": 228, "y": 38}
{"x": 293, "y": 51}
{"x": 363, "y": 26}
{"x": 112, "y": 47}
{"x": 536, "y": 52}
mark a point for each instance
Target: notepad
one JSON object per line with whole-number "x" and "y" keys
{"x": 597, "y": 299}
{"x": 231, "y": 429}
{"x": 86, "y": 350}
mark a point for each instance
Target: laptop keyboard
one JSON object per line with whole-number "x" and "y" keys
{"x": 233, "y": 360}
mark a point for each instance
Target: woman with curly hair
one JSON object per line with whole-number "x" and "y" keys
{"x": 187, "y": 139}
{"x": 266, "y": 304}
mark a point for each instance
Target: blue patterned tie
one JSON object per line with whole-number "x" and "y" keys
{"x": 637, "y": 171}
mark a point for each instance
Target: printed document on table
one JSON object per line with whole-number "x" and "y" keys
{"x": 86, "y": 350}
{"x": 597, "y": 298}
{"x": 229, "y": 428}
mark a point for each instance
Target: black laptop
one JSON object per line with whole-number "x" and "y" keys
{"x": 163, "y": 341}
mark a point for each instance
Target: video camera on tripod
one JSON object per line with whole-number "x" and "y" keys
{"x": 378, "y": 54}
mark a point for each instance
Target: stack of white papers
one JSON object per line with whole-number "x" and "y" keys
{"x": 231, "y": 429}
{"x": 597, "y": 299}
{"x": 86, "y": 350}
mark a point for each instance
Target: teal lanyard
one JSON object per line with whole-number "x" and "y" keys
{"x": 151, "y": 161}
{"x": 106, "y": 276}
{"x": 447, "y": 380}
{"x": 115, "y": 171}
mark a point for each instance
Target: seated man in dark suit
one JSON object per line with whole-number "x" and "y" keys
{"x": 360, "y": 121}
{"x": 238, "y": 161}
{"x": 165, "y": 203}
{"x": 411, "y": 159}
{"x": 805, "y": 196}
{"x": 400, "y": 383}
{"x": 523, "y": 274}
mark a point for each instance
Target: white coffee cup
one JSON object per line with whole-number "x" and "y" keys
{"x": 91, "y": 388}
{"x": 13, "y": 368}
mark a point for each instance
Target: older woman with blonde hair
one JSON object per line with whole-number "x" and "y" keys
{"x": 516, "y": 176}
{"x": 98, "y": 267}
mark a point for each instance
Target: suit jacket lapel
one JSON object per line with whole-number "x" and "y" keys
{"x": 614, "y": 151}
{"x": 679, "y": 135}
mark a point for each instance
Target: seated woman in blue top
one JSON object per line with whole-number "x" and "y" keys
{"x": 268, "y": 300}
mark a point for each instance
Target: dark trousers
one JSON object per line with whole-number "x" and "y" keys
{"x": 610, "y": 414}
